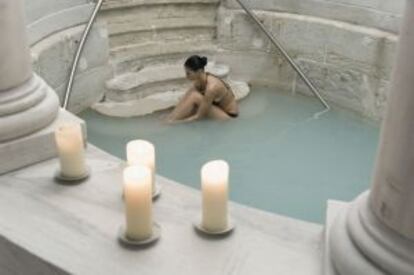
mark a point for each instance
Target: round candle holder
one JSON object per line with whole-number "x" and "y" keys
{"x": 157, "y": 191}
{"x": 199, "y": 227}
{"x": 156, "y": 234}
{"x": 59, "y": 177}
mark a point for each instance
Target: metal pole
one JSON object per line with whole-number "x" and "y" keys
{"x": 285, "y": 54}
{"x": 85, "y": 35}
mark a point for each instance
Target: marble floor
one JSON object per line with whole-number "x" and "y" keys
{"x": 48, "y": 228}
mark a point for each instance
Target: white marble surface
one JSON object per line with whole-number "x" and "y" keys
{"x": 74, "y": 228}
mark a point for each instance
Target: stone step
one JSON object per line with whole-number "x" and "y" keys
{"x": 157, "y": 102}
{"x": 116, "y": 4}
{"x": 135, "y": 57}
{"x": 152, "y": 80}
{"x": 150, "y": 19}
{"x": 165, "y": 30}
{"x": 199, "y": 33}
{"x": 158, "y": 31}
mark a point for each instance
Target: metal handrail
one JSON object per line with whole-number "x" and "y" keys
{"x": 285, "y": 54}
{"x": 78, "y": 54}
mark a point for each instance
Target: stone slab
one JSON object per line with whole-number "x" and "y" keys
{"x": 118, "y": 26}
{"x": 33, "y": 148}
{"x": 202, "y": 33}
{"x": 74, "y": 229}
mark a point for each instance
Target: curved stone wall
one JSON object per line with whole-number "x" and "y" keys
{"x": 351, "y": 64}
{"x": 382, "y": 14}
{"x": 54, "y": 28}
{"x": 345, "y": 46}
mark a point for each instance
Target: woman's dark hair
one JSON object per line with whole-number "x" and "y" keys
{"x": 196, "y": 62}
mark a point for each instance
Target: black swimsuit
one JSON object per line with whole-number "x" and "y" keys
{"x": 217, "y": 102}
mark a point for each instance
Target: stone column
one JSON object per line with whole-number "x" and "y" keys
{"x": 27, "y": 103}
{"x": 375, "y": 235}
{"x": 392, "y": 195}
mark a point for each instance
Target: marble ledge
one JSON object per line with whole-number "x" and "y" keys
{"x": 50, "y": 228}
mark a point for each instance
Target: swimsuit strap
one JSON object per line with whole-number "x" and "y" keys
{"x": 224, "y": 82}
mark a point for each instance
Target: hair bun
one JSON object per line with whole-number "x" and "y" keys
{"x": 196, "y": 62}
{"x": 205, "y": 60}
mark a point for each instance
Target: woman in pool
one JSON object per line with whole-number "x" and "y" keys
{"x": 209, "y": 96}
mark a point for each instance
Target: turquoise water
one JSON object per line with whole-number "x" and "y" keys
{"x": 282, "y": 159}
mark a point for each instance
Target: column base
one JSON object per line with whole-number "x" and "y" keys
{"x": 34, "y": 148}
{"x": 27, "y": 108}
{"x": 333, "y": 209}
{"x": 359, "y": 244}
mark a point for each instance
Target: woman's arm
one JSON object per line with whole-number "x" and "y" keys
{"x": 180, "y": 107}
{"x": 204, "y": 107}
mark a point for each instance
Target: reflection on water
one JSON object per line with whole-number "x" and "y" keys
{"x": 282, "y": 158}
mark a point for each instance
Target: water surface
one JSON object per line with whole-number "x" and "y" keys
{"x": 282, "y": 159}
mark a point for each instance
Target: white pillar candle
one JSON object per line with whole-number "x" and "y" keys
{"x": 214, "y": 181}
{"x": 141, "y": 152}
{"x": 138, "y": 202}
{"x": 70, "y": 147}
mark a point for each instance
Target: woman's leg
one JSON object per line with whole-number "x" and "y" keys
{"x": 217, "y": 113}
{"x": 187, "y": 106}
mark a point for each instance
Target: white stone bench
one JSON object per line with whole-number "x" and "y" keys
{"x": 47, "y": 228}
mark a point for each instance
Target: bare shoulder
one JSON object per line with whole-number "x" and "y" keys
{"x": 215, "y": 85}
{"x": 215, "y": 80}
